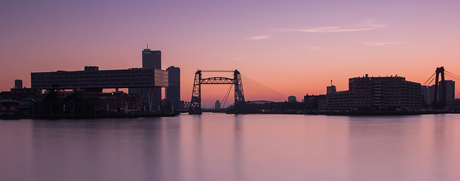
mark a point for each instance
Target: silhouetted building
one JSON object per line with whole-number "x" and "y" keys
{"x": 151, "y": 59}
{"x": 375, "y": 93}
{"x": 173, "y": 90}
{"x": 119, "y": 102}
{"x": 450, "y": 89}
{"x": 17, "y": 84}
{"x": 91, "y": 68}
{"x": 99, "y": 103}
{"x": 9, "y": 107}
{"x": 331, "y": 89}
{"x": 338, "y": 101}
{"x": 217, "y": 105}
{"x": 292, "y": 99}
{"x": 21, "y": 93}
{"x": 313, "y": 102}
{"x": 91, "y": 78}
{"x": 384, "y": 93}
{"x": 428, "y": 92}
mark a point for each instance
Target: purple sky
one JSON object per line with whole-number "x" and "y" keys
{"x": 293, "y": 47}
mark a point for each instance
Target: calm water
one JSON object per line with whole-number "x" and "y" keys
{"x": 223, "y": 147}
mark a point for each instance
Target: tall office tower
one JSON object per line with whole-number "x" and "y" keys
{"x": 173, "y": 90}
{"x": 151, "y": 59}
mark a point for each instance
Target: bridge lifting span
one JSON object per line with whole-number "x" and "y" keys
{"x": 195, "y": 104}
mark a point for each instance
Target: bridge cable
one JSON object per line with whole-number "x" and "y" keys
{"x": 431, "y": 78}
{"x": 224, "y": 100}
{"x": 452, "y": 75}
{"x": 254, "y": 83}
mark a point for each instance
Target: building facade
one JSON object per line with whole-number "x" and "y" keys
{"x": 151, "y": 59}
{"x": 292, "y": 99}
{"x": 384, "y": 93}
{"x": 315, "y": 102}
{"x": 217, "y": 105}
{"x": 428, "y": 92}
{"x": 18, "y": 84}
{"x": 173, "y": 90}
{"x": 375, "y": 94}
{"x": 338, "y": 101}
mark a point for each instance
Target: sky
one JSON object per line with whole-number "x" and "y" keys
{"x": 283, "y": 48}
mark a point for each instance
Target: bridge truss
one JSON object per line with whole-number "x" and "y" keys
{"x": 195, "y": 104}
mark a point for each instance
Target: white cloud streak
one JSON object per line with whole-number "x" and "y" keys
{"x": 261, "y": 37}
{"x": 364, "y": 26}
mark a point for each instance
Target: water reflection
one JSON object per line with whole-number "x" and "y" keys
{"x": 238, "y": 165}
{"x": 229, "y": 147}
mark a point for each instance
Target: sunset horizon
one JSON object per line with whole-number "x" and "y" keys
{"x": 294, "y": 48}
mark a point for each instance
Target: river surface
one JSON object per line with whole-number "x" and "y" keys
{"x": 220, "y": 147}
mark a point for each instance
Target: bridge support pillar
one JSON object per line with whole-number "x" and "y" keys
{"x": 442, "y": 89}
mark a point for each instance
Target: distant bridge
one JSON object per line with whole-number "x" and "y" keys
{"x": 195, "y": 103}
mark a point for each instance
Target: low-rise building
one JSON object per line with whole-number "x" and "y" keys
{"x": 338, "y": 101}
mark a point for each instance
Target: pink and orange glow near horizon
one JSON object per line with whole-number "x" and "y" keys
{"x": 292, "y": 47}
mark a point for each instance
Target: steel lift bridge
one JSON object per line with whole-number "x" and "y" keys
{"x": 236, "y": 82}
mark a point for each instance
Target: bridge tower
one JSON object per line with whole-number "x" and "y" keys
{"x": 195, "y": 103}
{"x": 442, "y": 92}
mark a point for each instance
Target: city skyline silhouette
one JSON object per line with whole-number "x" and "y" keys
{"x": 293, "y": 47}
